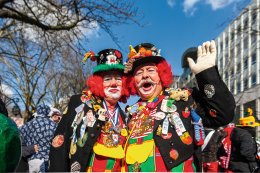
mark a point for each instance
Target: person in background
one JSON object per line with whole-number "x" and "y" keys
{"x": 239, "y": 150}
{"x": 38, "y": 132}
{"x": 55, "y": 115}
{"x": 161, "y": 129}
{"x": 90, "y": 136}
{"x": 10, "y": 143}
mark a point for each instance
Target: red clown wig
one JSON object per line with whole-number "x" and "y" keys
{"x": 95, "y": 85}
{"x": 165, "y": 74}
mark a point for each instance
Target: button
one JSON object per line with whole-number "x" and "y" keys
{"x": 92, "y": 135}
{"x": 171, "y": 143}
{"x": 170, "y": 162}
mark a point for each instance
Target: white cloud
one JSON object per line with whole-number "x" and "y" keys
{"x": 218, "y": 4}
{"x": 189, "y": 6}
{"x": 6, "y": 90}
{"x": 171, "y": 3}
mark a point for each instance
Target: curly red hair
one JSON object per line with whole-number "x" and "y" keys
{"x": 165, "y": 74}
{"x": 95, "y": 85}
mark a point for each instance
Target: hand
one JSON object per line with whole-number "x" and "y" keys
{"x": 206, "y": 57}
{"x": 36, "y": 148}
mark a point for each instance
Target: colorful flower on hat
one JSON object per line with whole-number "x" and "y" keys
{"x": 96, "y": 107}
{"x": 118, "y": 54}
{"x": 90, "y": 55}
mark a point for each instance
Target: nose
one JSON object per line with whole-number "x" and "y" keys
{"x": 145, "y": 74}
{"x": 113, "y": 82}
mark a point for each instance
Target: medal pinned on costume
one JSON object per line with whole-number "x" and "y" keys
{"x": 165, "y": 126}
{"x": 168, "y": 107}
{"x": 177, "y": 122}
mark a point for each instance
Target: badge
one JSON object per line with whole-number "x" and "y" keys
{"x": 159, "y": 130}
{"x": 75, "y": 167}
{"x": 73, "y": 148}
{"x": 168, "y": 136}
{"x": 186, "y": 113}
{"x": 77, "y": 119}
{"x": 165, "y": 108}
{"x": 57, "y": 141}
{"x": 90, "y": 118}
{"x": 174, "y": 154}
{"x": 159, "y": 115}
{"x": 79, "y": 108}
{"x": 165, "y": 126}
{"x": 177, "y": 122}
{"x": 123, "y": 132}
{"x": 102, "y": 114}
{"x": 81, "y": 141}
{"x": 186, "y": 138}
{"x": 213, "y": 112}
{"x": 209, "y": 90}
{"x": 115, "y": 138}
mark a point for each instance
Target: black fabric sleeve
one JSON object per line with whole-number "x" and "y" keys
{"x": 27, "y": 150}
{"x": 222, "y": 102}
{"x": 59, "y": 156}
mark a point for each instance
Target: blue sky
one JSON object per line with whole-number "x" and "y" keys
{"x": 173, "y": 26}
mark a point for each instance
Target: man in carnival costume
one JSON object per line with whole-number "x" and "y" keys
{"x": 90, "y": 136}
{"x": 162, "y": 135}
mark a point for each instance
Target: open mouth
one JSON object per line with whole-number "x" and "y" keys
{"x": 147, "y": 87}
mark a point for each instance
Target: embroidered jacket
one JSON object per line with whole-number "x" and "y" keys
{"x": 172, "y": 130}
{"x": 75, "y": 136}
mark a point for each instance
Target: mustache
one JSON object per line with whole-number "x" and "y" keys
{"x": 145, "y": 81}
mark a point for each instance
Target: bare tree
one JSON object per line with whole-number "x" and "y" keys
{"x": 70, "y": 79}
{"x": 23, "y": 64}
{"x": 69, "y": 15}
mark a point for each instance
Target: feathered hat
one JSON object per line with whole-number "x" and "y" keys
{"x": 141, "y": 54}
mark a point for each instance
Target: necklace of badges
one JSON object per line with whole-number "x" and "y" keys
{"x": 144, "y": 113}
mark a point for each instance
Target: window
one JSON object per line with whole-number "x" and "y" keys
{"x": 231, "y": 72}
{"x": 253, "y": 79}
{"x": 253, "y": 17}
{"x": 238, "y": 48}
{"x": 246, "y": 23}
{"x": 245, "y": 63}
{"x": 245, "y": 43}
{"x": 226, "y": 41}
{"x": 232, "y": 89}
{"x": 253, "y": 38}
{"x": 253, "y": 60}
{"x": 245, "y": 84}
{"x": 238, "y": 68}
{"x": 221, "y": 47}
{"x": 232, "y": 36}
{"x": 252, "y": 105}
{"x": 238, "y": 87}
{"x": 237, "y": 115}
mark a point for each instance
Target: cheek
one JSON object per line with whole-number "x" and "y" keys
{"x": 137, "y": 80}
{"x": 155, "y": 78}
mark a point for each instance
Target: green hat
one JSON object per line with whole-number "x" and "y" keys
{"x": 10, "y": 145}
{"x": 107, "y": 59}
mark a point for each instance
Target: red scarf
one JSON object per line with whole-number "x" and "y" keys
{"x": 224, "y": 160}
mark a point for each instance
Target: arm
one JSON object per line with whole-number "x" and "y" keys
{"x": 29, "y": 150}
{"x": 59, "y": 151}
{"x": 213, "y": 96}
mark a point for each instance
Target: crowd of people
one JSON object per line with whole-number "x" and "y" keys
{"x": 166, "y": 130}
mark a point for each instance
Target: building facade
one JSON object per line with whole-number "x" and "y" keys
{"x": 238, "y": 60}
